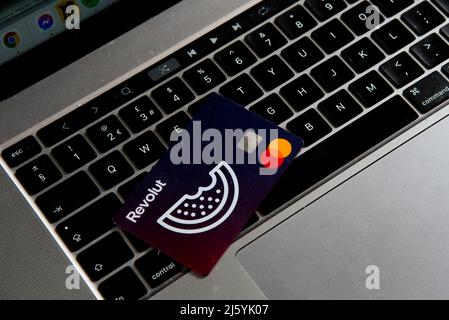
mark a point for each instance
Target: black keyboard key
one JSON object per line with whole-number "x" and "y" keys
{"x": 332, "y": 74}
{"x": 107, "y": 134}
{"x": 332, "y": 36}
{"x": 393, "y": 36}
{"x": 429, "y": 92}
{"x": 431, "y": 51}
{"x": 242, "y": 90}
{"x": 67, "y": 196}
{"x": 445, "y": 69}
{"x": 137, "y": 243}
{"x": 443, "y": 5}
{"x": 204, "y": 76}
{"x": 401, "y": 70}
{"x": 295, "y": 22}
{"x": 360, "y": 19}
{"x": 271, "y": 73}
{"x": 175, "y": 124}
{"x": 370, "y": 89}
{"x": 90, "y": 223}
{"x": 301, "y": 93}
{"x": 340, "y": 108}
{"x": 235, "y": 58}
{"x": 73, "y": 154}
{"x": 144, "y": 150}
{"x": 126, "y": 189}
{"x": 173, "y": 95}
{"x": 324, "y": 9}
{"x": 362, "y": 55}
{"x": 339, "y": 150}
{"x": 423, "y": 18}
{"x": 266, "y": 9}
{"x": 21, "y": 151}
{"x": 38, "y": 174}
{"x": 157, "y": 268}
{"x": 111, "y": 170}
{"x": 309, "y": 126}
{"x": 140, "y": 114}
{"x": 273, "y": 109}
{"x": 391, "y": 7}
{"x": 265, "y": 40}
{"x": 445, "y": 31}
{"x": 124, "y": 285}
{"x": 105, "y": 256}
{"x": 302, "y": 54}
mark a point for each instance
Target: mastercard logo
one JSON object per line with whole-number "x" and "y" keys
{"x": 273, "y": 157}
{"x": 11, "y": 39}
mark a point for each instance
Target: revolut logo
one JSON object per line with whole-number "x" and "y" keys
{"x": 153, "y": 192}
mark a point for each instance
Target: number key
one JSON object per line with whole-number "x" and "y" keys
{"x": 140, "y": 114}
{"x": 173, "y": 95}
{"x": 73, "y": 154}
{"x": 235, "y": 58}
{"x": 107, "y": 134}
{"x": 324, "y": 9}
{"x": 265, "y": 40}
{"x": 204, "y": 76}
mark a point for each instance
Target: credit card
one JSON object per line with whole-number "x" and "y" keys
{"x": 199, "y": 196}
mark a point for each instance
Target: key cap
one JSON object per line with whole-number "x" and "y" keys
{"x": 111, "y": 170}
{"x": 443, "y": 5}
{"x": 90, "y": 223}
{"x": 445, "y": 31}
{"x": 175, "y": 123}
{"x": 265, "y": 40}
{"x": 309, "y": 126}
{"x": 358, "y": 18}
{"x": 325, "y": 9}
{"x": 21, "y": 151}
{"x": 38, "y": 174}
{"x": 271, "y": 73}
{"x": 431, "y": 51}
{"x": 370, "y": 89}
{"x": 157, "y": 268}
{"x": 137, "y": 244}
{"x": 302, "y": 54}
{"x": 124, "y": 285}
{"x": 332, "y": 36}
{"x": 391, "y": 7}
{"x": 392, "y": 36}
{"x": 235, "y": 58}
{"x": 126, "y": 189}
{"x": 144, "y": 150}
{"x": 422, "y": 18}
{"x": 140, "y": 114}
{"x": 73, "y": 154}
{"x": 107, "y": 134}
{"x": 340, "y": 108}
{"x": 362, "y": 55}
{"x": 105, "y": 256}
{"x": 295, "y": 22}
{"x": 266, "y": 9}
{"x": 445, "y": 69}
{"x": 67, "y": 196}
{"x": 339, "y": 150}
{"x": 332, "y": 74}
{"x": 242, "y": 90}
{"x": 401, "y": 70}
{"x": 301, "y": 93}
{"x": 204, "y": 76}
{"x": 429, "y": 92}
{"x": 273, "y": 109}
{"x": 172, "y": 95}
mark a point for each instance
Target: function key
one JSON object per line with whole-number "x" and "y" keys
{"x": 309, "y": 126}
{"x": 340, "y": 108}
{"x": 301, "y": 92}
{"x": 266, "y": 9}
{"x": 175, "y": 124}
{"x": 295, "y": 22}
{"x": 73, "y": 154}
{"x": 362, "y": 55}
{"x": 124, "y": 285}
{"x": 443, "y": 5}
{"x": 38, "y": 174}
{"x": 431, "y": 51}
{"x": 107, "y": 134}
{"x": 204, "y": 76}
{"x": 67, "y": 196}
{"x": 271, "y": 73}
{"x": 370, "y": 89}
{"x": 140, "y": 114}
{"x": 359, "y": 18}
{"x": 265, "y": 40}
{"x": 111, "y": 170}
{"x": 172, "y": 95}
{"x": 144, "y": 150}
{"x": 235, "y": 58}
{"x": 164, "y": 69}
{"x": 332, "y": 36}
{"x": 105, "y": 256}
{"x": 62, "y": 128}
{"x": 324, "y": 9}
{"x": 302, "y": 54}
{"x": 391, "y": 7}
{"x": 273, "y": 109}
{"x": 401, "y": 70}
{"x": 243, "y": 90}
{"x": 191, "y": 53}
{"x": 21, "y": 151}
{"x": 392, "y": 36}
{"x": 423, "y": 18}
{"x": 332, "y": 74}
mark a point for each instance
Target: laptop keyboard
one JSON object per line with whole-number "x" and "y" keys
{"x": 308, "y": 66}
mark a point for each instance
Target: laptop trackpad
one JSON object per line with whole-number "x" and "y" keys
{"x": 393, "y": 216}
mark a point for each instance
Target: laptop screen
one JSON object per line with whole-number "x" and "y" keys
{"x": 39, "y": 37}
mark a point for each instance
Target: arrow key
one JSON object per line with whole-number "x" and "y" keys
{"x": 431, "y": 51}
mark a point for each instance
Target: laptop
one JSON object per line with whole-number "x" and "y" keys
{"x": 362, "y": 212}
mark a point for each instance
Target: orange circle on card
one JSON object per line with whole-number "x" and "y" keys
{"x": 280, "y": 148}
{"x": 270, "y": 162}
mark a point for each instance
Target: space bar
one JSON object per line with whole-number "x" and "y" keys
{"x": 338, "y": 150}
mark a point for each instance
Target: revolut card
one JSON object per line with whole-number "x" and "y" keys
{"x": 202, "y": 192}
